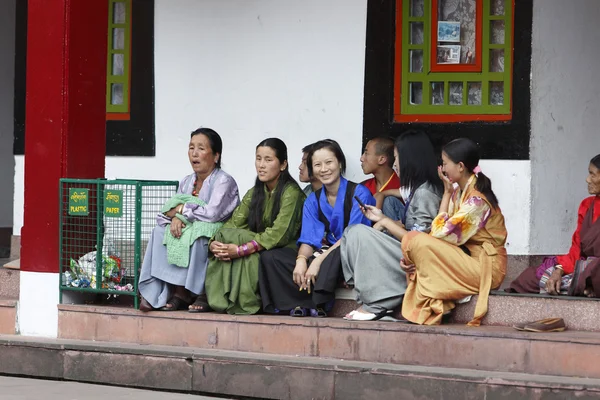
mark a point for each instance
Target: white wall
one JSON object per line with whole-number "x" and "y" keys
{"x": 7, "y": 76}
{"x": 565, "y": 121}
{"x": 251, "y": 70}
{"x": 511, "y": 181}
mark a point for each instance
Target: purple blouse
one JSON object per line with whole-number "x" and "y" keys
{"x": 219, "y": 191}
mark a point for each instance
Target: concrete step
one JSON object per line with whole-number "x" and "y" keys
{"x": 9, "y": 282}
{"x": 488, "y": 348}
{"x": 258, "y": 375}
{"x": 8, "y": 316}
{"x": 579, "y": 313}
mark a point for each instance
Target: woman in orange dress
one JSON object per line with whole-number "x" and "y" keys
{"x": 464, "y": 254}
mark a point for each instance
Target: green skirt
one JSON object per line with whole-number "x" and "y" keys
{"x": 232, "y": 286}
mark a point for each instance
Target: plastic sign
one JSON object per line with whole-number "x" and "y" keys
{"x": 78, "y": 202}
{"x": 113, "y": 203}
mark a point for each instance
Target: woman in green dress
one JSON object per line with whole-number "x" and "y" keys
{"x": 269, "y": 217}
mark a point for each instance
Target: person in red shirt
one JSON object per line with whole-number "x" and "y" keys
{"x": 378, "y": 159}
{"x": 578, "y": 271}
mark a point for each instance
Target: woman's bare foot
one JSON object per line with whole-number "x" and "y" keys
{"x": 589, "y": 292}
{"x": 200, "y": 305}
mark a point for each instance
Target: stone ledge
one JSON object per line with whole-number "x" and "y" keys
{"x": 337, "y": 323}
{"x": 269, "y": 376}
{"x": 489, "y": 348}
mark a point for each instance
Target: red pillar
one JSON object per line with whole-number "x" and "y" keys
{"x": 65, "y": 125}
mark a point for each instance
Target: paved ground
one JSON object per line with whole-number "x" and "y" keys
{"x": 36, "y": 389}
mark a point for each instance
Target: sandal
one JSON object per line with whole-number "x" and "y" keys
{"x": 318, "y": 313}
{"x": 177, "y": 303}
{"x": 202, "y": 305}
{"x": 145, "y": 306}
{"x": 298, "y": 312}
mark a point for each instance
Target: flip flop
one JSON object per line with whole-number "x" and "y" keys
{"x": 176, "y": 304}
{"x": 318, "y": 313}
{"x": 298, "y": 312}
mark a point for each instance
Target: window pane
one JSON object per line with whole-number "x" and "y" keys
{"x": 497, "y": 32}
{"x": 118, "y": 39}
{"x": 455, "y": 93}
{"x": 497, "y": 7}
{"x": 437, "y": 93}
{"x": 474, "y": 93}
{"x": 416, "y": 8}
{"x": 456, "y": 27}
{"x": 118, "y": 64}
{"x": 116, "y": 97}
{"x": 119, "y": 13}
{"x": 497, "y": 60}
{"x": 416, "y": 33}
{"x": 416, "y": 60}
{"x": 496, "y": 93}
{"x": 416, "y": 92}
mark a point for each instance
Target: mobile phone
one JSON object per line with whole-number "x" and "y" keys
{"x": 360, "y": 202}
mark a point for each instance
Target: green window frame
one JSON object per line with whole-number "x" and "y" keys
{"x": 491, "y": 80}
{"x": 118, "y": 57}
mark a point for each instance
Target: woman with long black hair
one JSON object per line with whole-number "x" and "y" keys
{"x": 371, "y": 258}
{"x": 269, "y": 217}
{"x": 464, "y": 254}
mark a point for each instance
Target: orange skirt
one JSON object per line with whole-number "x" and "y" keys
{"x": 444, "y": 273}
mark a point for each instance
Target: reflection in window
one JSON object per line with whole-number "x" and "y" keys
{"x": 118, "y": 39}
{"x": 416, "y": 33}
{"x": 117, "y": 94}
{"x": 497, "y": 60}
{"x": 118, "y": 64}
{"x": 437, "y": 93}
{"x": 497, "y": 32}
{"x": 416, "y": 92}
{"x": 474, "y": 93}
{"x": 497, "y": 7}
{"x": 417, "y": 8}
{"x": 496, "y": 93}
{"x": 119, "y": 12}
{"x": 455, "y": 93}
{"x": 416, "y": 60}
